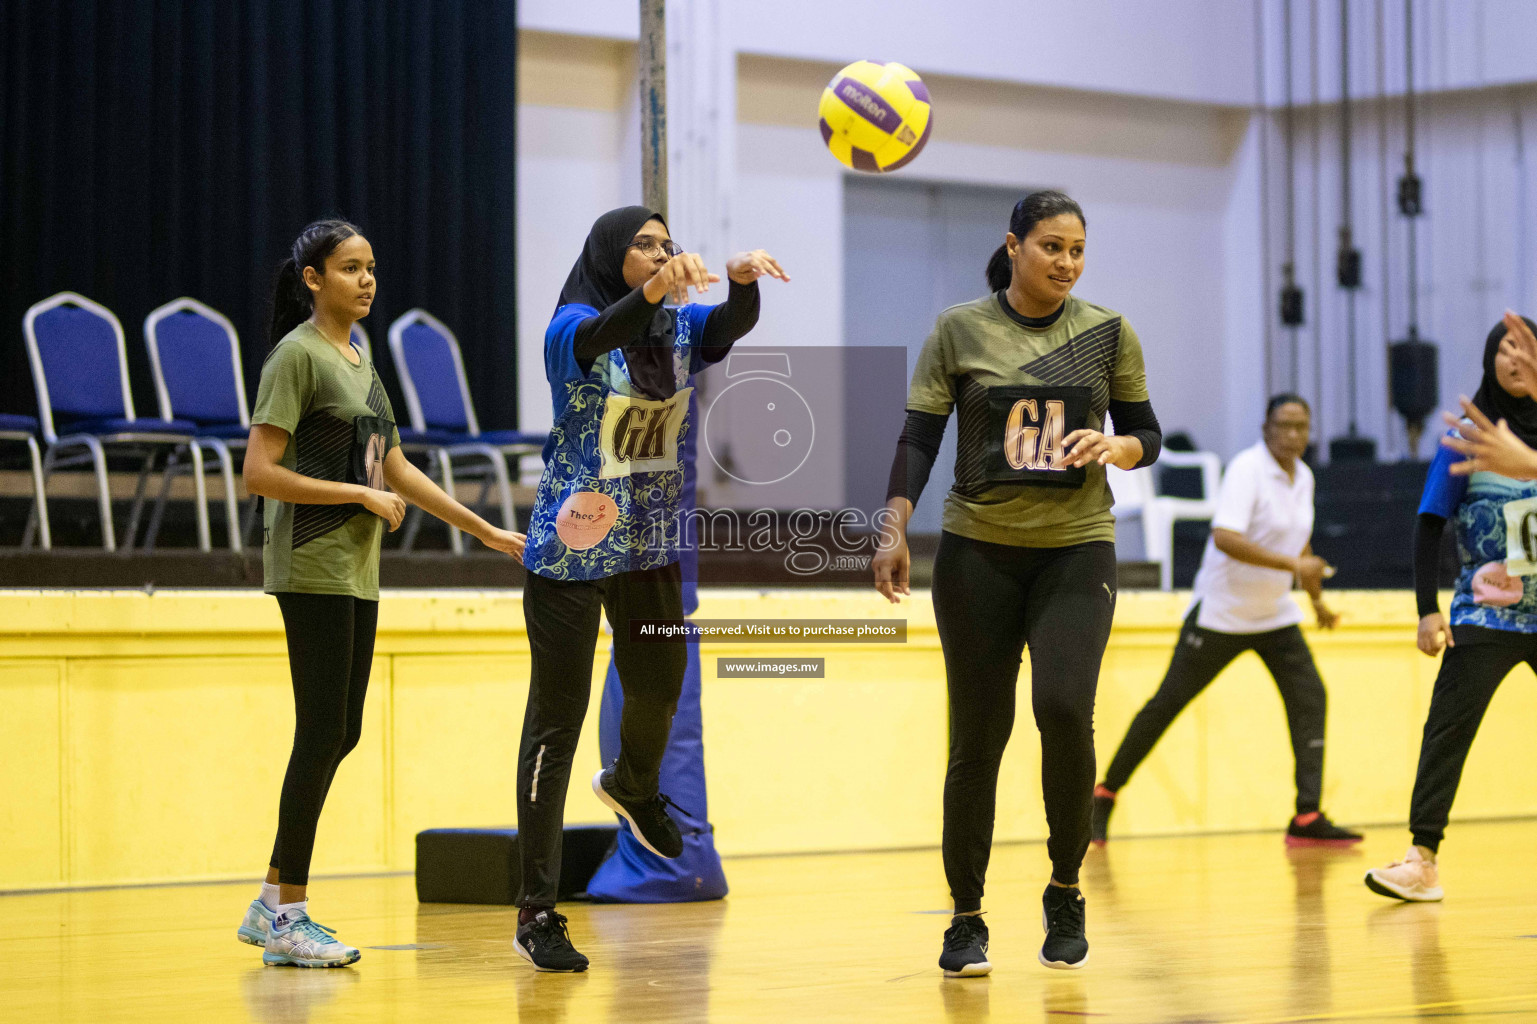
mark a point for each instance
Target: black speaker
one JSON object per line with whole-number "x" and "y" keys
{"x": 1410, "y": 195}
{"x": 1412, "y": 372}
{"x": 1347, "y": 267}
{"x": 1291, "y": 306}
{"x": 1352, "y": 449}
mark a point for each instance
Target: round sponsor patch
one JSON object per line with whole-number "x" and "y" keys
{"x": 1494, "y": 587}
{"x": 585, "y": 519}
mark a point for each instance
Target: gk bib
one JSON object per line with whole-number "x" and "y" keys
{"x": 640, "y": 435}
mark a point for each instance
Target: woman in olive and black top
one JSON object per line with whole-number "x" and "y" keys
{"x": 325, "y": 454}
{"x": 1027, "y": 556}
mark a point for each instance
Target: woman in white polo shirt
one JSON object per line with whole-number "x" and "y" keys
{"x": 1260, "y": 544}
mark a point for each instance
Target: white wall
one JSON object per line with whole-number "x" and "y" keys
{"x": 1458, "y": 44}
{"x": 1180, "y": 49}
{"x": 1155, "y": 178}
{"x": 1172, "y": 189}
{"x": 1473, "y": 244}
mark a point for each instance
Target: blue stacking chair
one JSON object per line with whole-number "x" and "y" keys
{"x": 194, "y": 352}
{"x": 442, "y": 415}
{"x": 24, "y": 429}
{"x": 80, "y": 367}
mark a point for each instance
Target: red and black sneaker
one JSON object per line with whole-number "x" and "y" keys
{"x": 1099, "y": 823}
{"x": 1315, "y": 829}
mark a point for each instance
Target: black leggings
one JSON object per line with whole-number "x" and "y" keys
{"x": 562, "y": 618}
{"x": 1198, "y": 658}
{"x": 330, "y": 650}
{"x": 990, "y": 600}
{"x": 1470, "y": 673}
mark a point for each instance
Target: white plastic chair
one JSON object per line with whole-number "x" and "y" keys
{"x": 1169, "y": 510}
{"x": 1136, "y": 492}
{"x": 1135, "y": 495}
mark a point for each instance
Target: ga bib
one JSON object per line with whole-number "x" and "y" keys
{"x": 1026, "y": 425}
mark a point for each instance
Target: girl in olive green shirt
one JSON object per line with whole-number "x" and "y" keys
{"x": 325, "y": 454}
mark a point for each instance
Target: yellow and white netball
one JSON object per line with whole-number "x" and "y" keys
{"x": 876, "y": 117}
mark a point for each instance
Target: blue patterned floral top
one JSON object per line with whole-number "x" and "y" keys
{"x": 611, "y": 493}
{"x": 1495, "y": 520}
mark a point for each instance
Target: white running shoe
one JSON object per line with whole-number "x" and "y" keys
{"x": 298, "y": 941}
{"x": 1414, "y": 879}
{"x": 257, "y": 924}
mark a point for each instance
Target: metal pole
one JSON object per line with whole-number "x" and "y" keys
{"x": 1262, "y": 120}
{"x": 652, "y": 64}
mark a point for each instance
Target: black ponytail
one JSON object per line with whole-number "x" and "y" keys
{"x": 291, "y": 302}
{"x": 1035, "y": 207}
{"x": 999, "y": 269}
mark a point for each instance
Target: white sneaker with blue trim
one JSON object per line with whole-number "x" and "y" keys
{"x": 297, "y": 941}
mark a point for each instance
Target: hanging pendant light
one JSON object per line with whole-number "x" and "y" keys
{"x": 1352, "y": 446}
{"x": 1412, "y": 362}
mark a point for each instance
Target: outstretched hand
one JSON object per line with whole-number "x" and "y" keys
{"x": 747, "y": 267}
{"x": 1488, "y": 447}
{"x": 684, "y": 271}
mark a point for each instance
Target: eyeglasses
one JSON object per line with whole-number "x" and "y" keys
{"x": 651, "y": 248}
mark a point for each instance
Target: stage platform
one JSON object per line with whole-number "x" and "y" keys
{"x": 1228, "y": 929}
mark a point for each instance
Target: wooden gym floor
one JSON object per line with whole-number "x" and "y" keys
{"x": 1216, "y": 929}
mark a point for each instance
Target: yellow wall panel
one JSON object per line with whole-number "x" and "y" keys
{"x": 31, "y": 804}
{"x": 151, "y": 732}
{"x": 1249, "y": 768}
{"x": 457, "y": 723}
{"x": 175, "y": 768}
{"x": 855, "y": 760}
{"x": 1497, "y": 780}
{"x": 1167, "y": 793}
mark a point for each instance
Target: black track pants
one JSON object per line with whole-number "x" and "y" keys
{"x": 990, "y": 601}
{"x": 1199, "y": 657}
{"x": 330, "y": 652}
{"x": 562, "y": 617}
{"x": 1470, "y": 673}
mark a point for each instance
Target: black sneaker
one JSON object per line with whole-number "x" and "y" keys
{"x": 649, "y": 821}
{"x": 1066, "y": 947}
{"x": 965, "y": 952}
{"x": 545, "y": 943}
{"x": 1099, "y": 823}
{"x": 1316, "y": 829}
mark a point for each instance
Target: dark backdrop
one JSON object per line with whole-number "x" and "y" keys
{"x": 156, "y": 148}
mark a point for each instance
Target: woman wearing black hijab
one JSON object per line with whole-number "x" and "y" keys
{"x": 1494, "y": 604}
{"x": 604, "y": 532}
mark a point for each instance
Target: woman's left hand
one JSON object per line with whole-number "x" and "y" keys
{"x": 1086, "y": 446}
{"x": 506, "y": 542}
{"x": 1489, "y": 447}
{"x": 747, "y": 267}
{"x": 1327, "y": 618}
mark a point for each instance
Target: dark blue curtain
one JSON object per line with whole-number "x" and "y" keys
{"x": 156, "y": 148}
